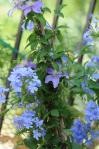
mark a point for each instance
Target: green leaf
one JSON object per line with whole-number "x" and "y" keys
{"x": 55, "y": 113}
{"x": 46, "y": 9}
{"x": 55, "y": 66}
{"x": 41, "y": 19}
{"x": 30, "y": 143}
{"x": 67, "y": 132}
{"x": 59, "y": 36}
{"x": 62, "y": 27}
{"x": 76, "y": 146}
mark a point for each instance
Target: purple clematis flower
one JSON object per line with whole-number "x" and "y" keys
{"x": 54, "y": 77}
{"x": 30, "y": 64}
{"x": 35, "y": 7}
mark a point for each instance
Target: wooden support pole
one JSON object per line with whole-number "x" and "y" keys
{"x": 62, "y": 126}
{"x": 14, "y": 57}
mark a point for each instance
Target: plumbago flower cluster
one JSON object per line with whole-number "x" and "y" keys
{"x": 87, "y": 133}
{"x": 22, "y": 80}
{"x": 28, "y": 120}
{"x": 45, "y": 89}
{"x": 24, "y": 77}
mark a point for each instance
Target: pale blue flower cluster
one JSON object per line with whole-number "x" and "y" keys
{"x": 88, "y": 39}
{"x": 79, "y": 130}
{"x": 92, "y": 112}
{"x": 82, "y": 131}
{"x": 24, "y": 77}
{"x": 2, "y": 94}
{"x": 95, "y": 76}
{"x": 29, "y": 120}
{"x": 25, "y": 120}
{"x": 94, "y": 63}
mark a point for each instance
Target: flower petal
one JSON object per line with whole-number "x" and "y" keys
{"x": 52, "y": 78}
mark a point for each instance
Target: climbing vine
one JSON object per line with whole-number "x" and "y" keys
{"x": 46, "y": 86}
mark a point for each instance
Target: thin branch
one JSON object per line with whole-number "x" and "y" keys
{"x": 14, "y": 57}
{"x": 56, "y": 17}
{"x": 18, "y": 38}
{"x": 88, "y": 21}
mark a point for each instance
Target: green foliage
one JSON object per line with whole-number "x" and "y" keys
{"x": 55, "y": 112}
{"x": 76, "y": 146}
{"x": 56, "y": 107}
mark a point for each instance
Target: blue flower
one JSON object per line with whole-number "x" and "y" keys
{"x": 39, "y": 133}
{"x": 93, "y": 62}
{"x": 92, "y": 112}
{"x": 54, "y": 77}
{"x": 94, "y": 134}
{"x": 87, "y": 39}
{"x": 2, "y": 94}
{"x": 86, "y": 89}
{"x": 36, "y": 134}
{"x": 64, "y": 59}
{"x": 33, "y": 86}
{"x": 79, "y": 131}
{"x": 24, "y": 76}
{"x": 95, "y": 59}
{"x": 29, "y": 120}
{"x": 25, "y": 120}
{"x": 38, "y": 122}
{"x": 30, "y": 64}
{"x": 95, "y": 76}
{"x": 83, "y": 131}
{"x": 90, "y": 64}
